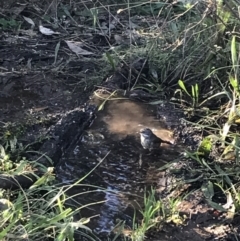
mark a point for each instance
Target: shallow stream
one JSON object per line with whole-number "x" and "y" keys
{"x": 124, "y": 169}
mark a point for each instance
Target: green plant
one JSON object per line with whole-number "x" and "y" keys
{"x": 35, "y": 215}
{"x": 151, "y": 216}
{"x": 9, "y": 24}
{"x": 194, "y": 94}
{"x": 41, "y": 212}
{"x": 155, "y": 213}
{"x": 12, "y": 158}
{"x": 111, "y": 61}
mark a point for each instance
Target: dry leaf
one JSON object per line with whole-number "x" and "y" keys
{"x": 30, "y": 21}
{"x": 120, "y": 10}
{"x": 118, "y": 39}
{"x": 112, "y": 26}
{"x": 28, "y": 32}
{"x": 47, "y": 31}
{"x": 114, "y": 23}
{"x": 133, "y": 25}
{"x": 74, "y": 46}
{"x": 104, "y": 28}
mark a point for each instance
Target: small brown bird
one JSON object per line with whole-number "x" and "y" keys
{"x": 150, "y": 141}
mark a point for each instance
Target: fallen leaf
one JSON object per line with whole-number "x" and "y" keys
{"x": 47, "y": 31}
{"x": 133, "y": 25}
{"x": 74, "y": 46}
{"x": 120, "y": 10}
{"x": 154, "y": 74}
{"x": 30, "y": 21}
{"x": 118, "y": 39}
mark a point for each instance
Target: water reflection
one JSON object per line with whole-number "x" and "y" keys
{"x": 109, "y": 211}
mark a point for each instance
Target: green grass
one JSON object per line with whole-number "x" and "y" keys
{"x": 155, "y": 213}
{"x": 9, "y": 24}
{"x": 39, "y": 212}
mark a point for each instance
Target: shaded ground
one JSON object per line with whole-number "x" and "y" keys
{"x": 39, "y": 86}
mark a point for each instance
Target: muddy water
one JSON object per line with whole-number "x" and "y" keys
{"x": 124, "y": 170}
